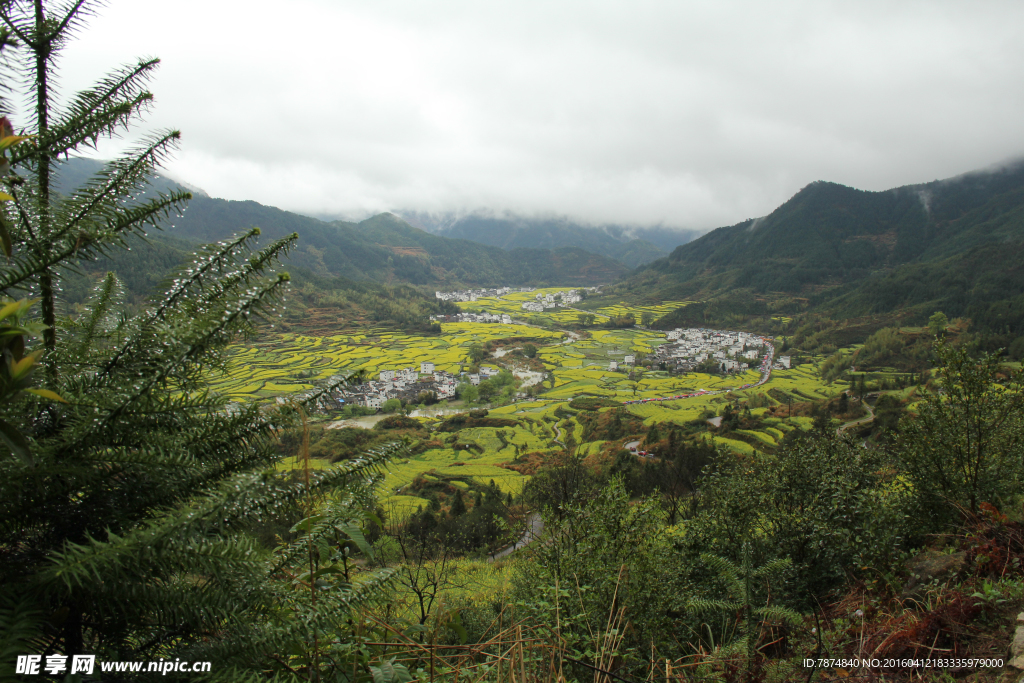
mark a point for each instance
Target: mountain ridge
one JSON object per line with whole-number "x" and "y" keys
{"x": 376, "y": 248}
{"x": 631, "y": 245}
{"x": 852, "y": 252}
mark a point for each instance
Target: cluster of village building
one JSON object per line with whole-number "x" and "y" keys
{"x": 555, "y": 300}
{"x": 500, "y": 318}
{"x": 688, "y": 348}
{"x": 474, "y": 294}
{"x": 407, "y": 384}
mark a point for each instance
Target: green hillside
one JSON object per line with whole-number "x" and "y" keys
{"x": 950, "y": 244}
{"x": 383, "y": 248}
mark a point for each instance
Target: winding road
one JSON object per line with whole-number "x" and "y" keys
{"x": 558, "y": 436}
{"x": 859, "y": 421}
{"x": 863, "y": 420}
{"x": 534, "y": 527}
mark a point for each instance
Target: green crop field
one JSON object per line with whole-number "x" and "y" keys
{"x": 289, "y": 363}
{"x": 637, "y": 310}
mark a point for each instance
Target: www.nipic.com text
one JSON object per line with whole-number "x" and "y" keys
{"x": 85, "y": 664}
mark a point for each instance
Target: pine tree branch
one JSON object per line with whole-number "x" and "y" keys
{"x": 194, "y": 276}
{"x": 119, "y": 177}
{"x": 129, "y": 219}
{"x": 71, "y": 17}
{"x": 22, "y": 31}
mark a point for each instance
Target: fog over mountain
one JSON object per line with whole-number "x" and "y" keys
{"x": 682, "y": 115}
{"x": 630, "y": 244}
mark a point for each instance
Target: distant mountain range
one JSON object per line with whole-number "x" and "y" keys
{"x": 383, "y": 248}
{"x": 632, "y": 246}
{"x": 955, "y": 245}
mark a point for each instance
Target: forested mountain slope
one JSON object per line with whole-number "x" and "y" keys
{"x": 950, "y": 244}
{"x": 383, "y": 248}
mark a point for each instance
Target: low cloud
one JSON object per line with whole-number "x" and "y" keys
{"x": 682, "y": 114}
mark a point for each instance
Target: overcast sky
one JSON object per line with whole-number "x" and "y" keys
{"x": 690, "y": 114}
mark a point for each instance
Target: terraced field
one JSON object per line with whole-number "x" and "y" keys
{"x": 512, "y": 304}
{"x": 290, "y": 363}
{"x": 803, "y": 383}
{"x": 474, "y": 456}
{"x": 637, "y": 311}
{"x": 581, "y": 368}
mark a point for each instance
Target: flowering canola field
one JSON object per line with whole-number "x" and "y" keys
{"x": 575, "y": 367}
{"x": 290, "y": 363}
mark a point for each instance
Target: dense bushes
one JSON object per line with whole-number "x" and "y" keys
{"x": 824, "y": 502}
{"x": 604, "y": 554}
{"x": 963, "y": 447}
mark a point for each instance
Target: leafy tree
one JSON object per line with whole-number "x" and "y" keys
{"x": 391, "y": 405}
{"x": 888, "y": 412}
{"x": 677, "y": 476}
{"x": 468, "y": 392}
{"x": 646, "y": 318}
{"x": 963, "y": 446}
{"x": 566, "y": 482}
{"x": 123, "y": 531}
{"x": 1016, "y": 349}
{"x": 633, "y": 474}
{"x": 458, "y": 505}
{"x": 529, "y": 350}
{"x": 937, "y": 324}
{"x": 476, "y": 353}
{"x": 710, "y": 366}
